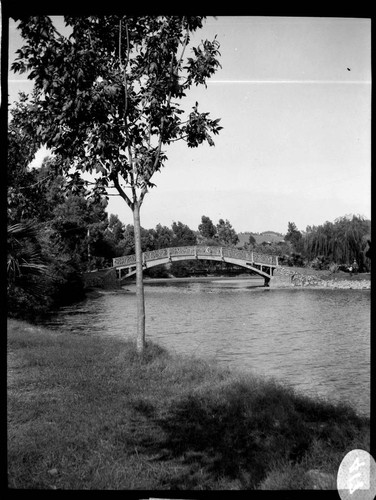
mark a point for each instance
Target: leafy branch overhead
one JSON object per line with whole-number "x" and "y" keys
{"x": 106, "y": 97}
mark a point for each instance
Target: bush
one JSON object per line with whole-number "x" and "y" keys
{"x": 343, "y": 267}
{"x": 180, "y": 269}
{"x": 68, "y": 288}
{"x": 293, "y": 260}
{"x": 157, "y": 272}
{"x": 36, "y": 295}
{"x": 320, "y": 263}
{"x": 23, "y": 304}
{"x": 333, "y": 268}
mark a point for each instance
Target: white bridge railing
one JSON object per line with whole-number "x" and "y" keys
{"x": 198, "y": 251}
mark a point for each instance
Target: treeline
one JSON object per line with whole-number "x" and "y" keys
{"x": 57, "y": 231}
{"x": 221, "y": 234}
{"x": 333, "y": 245}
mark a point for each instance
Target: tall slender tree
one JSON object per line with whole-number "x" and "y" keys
{"x": 183, "y": 235}
{"x": 226, "y": 233}
{"x": 163, "y": 236}
{"x": 294, "y": 236}
{"x": 106, "y": 98}
{"x": 207, "y": 228}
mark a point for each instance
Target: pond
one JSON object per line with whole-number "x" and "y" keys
{"x": 317, "y": 340}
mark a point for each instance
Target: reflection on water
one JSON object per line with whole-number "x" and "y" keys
{"x": 316, "y": 340}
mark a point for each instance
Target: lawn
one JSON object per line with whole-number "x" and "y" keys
{"x": 88, "y": 413}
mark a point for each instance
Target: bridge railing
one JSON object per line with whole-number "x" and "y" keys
{"x": 253, "y": 257}
{"x": 194, "y": 251}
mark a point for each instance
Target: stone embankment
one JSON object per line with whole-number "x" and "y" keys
{"x": 305, "y": 277}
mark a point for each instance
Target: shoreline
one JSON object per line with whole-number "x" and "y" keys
{"x": 340, "y": 285}
{"x": 297, "y": 277}
{"x": 293, "y": 279}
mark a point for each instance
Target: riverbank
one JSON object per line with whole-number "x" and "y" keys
{"x": 308, "y": 278}
{"x": 87, "y": 413}
{"x": 287, "y": 276}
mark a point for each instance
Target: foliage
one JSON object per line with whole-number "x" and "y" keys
{"x": 340, "y": 242}
{"x": 207, "y": 229}
{"x": 157, "y": 272}
{"x": 113, "y": 237}
{"x": 294, "y": 236}
{"x": 39, "y": 277}
{"x": 182, "y": 235}
{"x": 162, "y": 236}
{"x": 27, "y": 269}
{"x": 332, "y": 245}
{"x": 226, "y": 234}
{"x": 321, "y": 262}
{"x": 24, "y": 258}
{"x": 23, "y": 184}
{"x": 292, "y": 259}
{"x": 106, "y": 99}
{"x": 105, "y": 96}
{"x": 47, "y": 233}
{"x": 77, "y": 230}
{"x": 367, "y": 252}
{"x": 251, "y": 240}
{"x": 20, "y": 145}
{"x": 126, "y": 245}
{"x": 115, "y": 227}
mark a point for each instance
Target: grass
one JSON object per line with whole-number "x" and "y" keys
{"x": 87, "y": 413}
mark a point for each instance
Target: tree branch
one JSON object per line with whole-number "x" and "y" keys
{"x": 133, "y": 171}
{"x": 125, "y": 75}
{"x": 122, "y": 193}
{"x": 185, "y": 43}
{"x": 142, "y": 195}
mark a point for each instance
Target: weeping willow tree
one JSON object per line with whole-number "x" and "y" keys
{"x": 341, "y": 242}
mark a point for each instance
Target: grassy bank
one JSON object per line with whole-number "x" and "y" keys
{"x": 87, "y": 413}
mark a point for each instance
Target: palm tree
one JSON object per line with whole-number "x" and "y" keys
{"x": 26, "y": 266}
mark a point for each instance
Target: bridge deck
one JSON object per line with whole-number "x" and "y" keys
{"x": 220, "y": 253}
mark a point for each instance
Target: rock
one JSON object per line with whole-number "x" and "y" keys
{"x": 304, "y": 277}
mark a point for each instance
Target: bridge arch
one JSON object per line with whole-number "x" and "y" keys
{"x": 261, "y": 264}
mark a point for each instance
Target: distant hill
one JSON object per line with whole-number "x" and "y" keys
{"x": 268, "y": 236}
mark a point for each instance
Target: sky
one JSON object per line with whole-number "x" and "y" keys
{"x": 294, "y": 99}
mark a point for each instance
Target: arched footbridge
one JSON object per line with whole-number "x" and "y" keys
{"x": 259, "y": 263}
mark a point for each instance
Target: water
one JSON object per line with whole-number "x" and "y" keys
{"x": 317, "y": 340}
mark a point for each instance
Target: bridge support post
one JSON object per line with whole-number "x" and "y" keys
{"x": 267, "y": 282}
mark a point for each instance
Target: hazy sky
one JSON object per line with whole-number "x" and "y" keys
{"x": 294, "y": 98}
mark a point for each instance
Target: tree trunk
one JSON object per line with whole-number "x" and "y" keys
{"x": 139, "y": 281}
